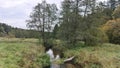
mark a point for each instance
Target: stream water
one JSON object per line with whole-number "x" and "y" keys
{"x": 53, "y": 59}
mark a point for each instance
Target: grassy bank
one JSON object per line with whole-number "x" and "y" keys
{"x": 21, "y": 53}
{"x": 104, "y": 56}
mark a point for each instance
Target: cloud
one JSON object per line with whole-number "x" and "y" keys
{"x": 15, "y": 12}
{"x": 10, "y": 3}
{"x": 14, "y": 3}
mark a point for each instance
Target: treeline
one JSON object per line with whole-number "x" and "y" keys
{"x": 8, "y": 31}
{"x": 91, "y": 21}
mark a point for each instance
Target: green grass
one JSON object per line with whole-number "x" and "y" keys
{"x": 29, "y": 40}
{"x": 21, "y": 53}
{"x": 104, "y": 56}
{"x": 26, "y": 53}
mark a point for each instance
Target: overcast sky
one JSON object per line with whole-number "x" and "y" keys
{"x": 15, "y": 12}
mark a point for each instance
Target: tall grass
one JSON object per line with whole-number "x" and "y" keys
{"x": 104, "y": 56}
{"x": 22, "y": 53}
{"x": 29, "y": 40}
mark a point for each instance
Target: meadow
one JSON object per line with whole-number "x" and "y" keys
{"x": 27, "y": 53}
{"x": 21, "y": 53}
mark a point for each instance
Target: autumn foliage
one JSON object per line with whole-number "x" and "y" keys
{"x": 112, "y": 29}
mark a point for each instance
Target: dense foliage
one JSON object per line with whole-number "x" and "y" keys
{"x": 112, "y": 29}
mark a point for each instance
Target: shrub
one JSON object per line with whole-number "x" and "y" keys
{"x": 112, "y": 29}
{"x": 116, "y": 13}
{"x": 43, "y": 60}
{"x": 95, "y": 36}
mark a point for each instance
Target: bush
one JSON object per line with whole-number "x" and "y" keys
{"x": 116, "y": 13}
{"x": 43, "y": 60}
{"x": 112, "y": 29}
{"x": 95, "y": 36}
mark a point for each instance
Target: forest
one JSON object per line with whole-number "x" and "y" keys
{"x": 86, "y": 29}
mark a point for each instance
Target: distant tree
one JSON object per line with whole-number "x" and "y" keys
{"x": 42, "y": 18}
{"x": 1, "y": 29}
{"x": 65, "y": 32}
{"x": 112, "y": 4}
{"x": 76, "y": 20}
{"x": 5, "y": 28}
{"x": 116, "y": 13}
{"x": 55, "y": 31}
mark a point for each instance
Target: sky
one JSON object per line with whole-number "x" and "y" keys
{"x": 16, "y": 12}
